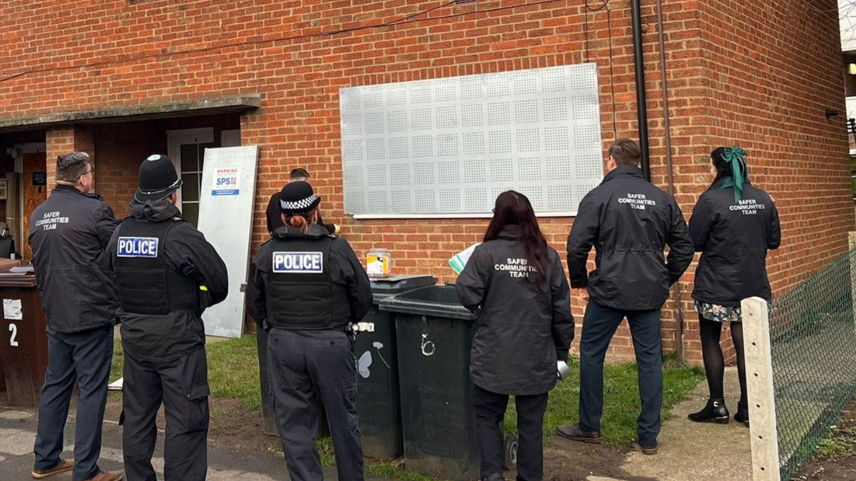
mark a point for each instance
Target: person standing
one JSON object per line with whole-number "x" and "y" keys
{"x": 273, "y": 212}
{"x": 69, "y": 233}
{"x": 733, "y": 225}
{"x": 629, "y": 221}
{"x": 305, "y": 288}
{"x": 167, "y": 274}
{"x": 525, "y": 327}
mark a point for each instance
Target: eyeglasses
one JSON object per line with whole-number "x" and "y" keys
{"x": 91, "y": 170}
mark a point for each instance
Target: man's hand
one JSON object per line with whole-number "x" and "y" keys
{"x": 583, "y": 293}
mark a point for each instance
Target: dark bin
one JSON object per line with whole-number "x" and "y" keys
{"x": 434, "y": 334}
{"x": 378, "y": 402}
{"x": 23, "y": 340}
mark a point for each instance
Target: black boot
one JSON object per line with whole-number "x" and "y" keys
{"x": 742, "y": 415}
{"x": 714, "y": 412}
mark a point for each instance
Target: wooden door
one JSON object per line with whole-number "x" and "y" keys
{"x": 35, "y": 166}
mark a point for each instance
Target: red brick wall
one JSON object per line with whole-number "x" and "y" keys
{"x": 749, "y": 89}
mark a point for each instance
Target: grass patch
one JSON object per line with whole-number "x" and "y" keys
{"x": 621, "y": 399}
{"x": 840, "y": 442}
{"x": 233, "y": 370}
{"x": 387, "y": 469}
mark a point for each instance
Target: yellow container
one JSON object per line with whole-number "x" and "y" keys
{"x": 378, "y": 263}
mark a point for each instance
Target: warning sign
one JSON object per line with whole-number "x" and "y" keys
{"x": 226, "y": 181}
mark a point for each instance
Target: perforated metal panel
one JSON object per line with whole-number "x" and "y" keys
{"x": 450, "y": 146}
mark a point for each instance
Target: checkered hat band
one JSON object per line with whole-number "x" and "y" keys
{"x": 298, "y": 205}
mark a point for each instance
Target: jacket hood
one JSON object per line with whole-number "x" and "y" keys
{"x": 158, "y": 211}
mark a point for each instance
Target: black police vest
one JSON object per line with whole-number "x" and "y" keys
{"x": 301, "y": 292}
{"x": 147, "y": 285}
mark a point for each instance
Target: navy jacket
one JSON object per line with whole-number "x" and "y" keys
{"x": 69, "y": 233}
{"x": 523, "y": 328}
{"x": 733, "y": 238}
{"x": 629, "y": 221}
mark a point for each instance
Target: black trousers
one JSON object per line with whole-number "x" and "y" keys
{"x": 182, "y": 387}
{"x": 302, "y": 368}
{"x": 489, "y": 410}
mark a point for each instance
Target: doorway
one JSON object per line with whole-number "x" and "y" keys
{"x": 32, "y": 162}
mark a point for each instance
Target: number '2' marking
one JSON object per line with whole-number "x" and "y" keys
{"x": 13, "y": 339}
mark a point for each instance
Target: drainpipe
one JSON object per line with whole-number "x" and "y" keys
{"x": 676, "y": 289}
{"x": 641, "y": 101}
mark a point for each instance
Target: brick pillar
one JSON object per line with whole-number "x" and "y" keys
{"x": 64, "y": 139}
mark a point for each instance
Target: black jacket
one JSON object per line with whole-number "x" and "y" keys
{"x": 171, "y": 336}
{"x": 629, "y": 221}
{"x": 274, "y": 219}
{"x": 522, "y": 329}
{"x": 733, "y": 238}
{"x": 345, "y": 270}
{"x": 68, "y": 234}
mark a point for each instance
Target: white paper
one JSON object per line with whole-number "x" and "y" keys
{"x": 116, "y": 386}
{"x": 12, "y": 310}
{"x": 459, "y": 260}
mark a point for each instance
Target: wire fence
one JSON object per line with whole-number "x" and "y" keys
{"x": 813, "y": 354}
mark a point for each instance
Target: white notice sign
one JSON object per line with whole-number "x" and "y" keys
{"x": 226, "y": 181}
{"x": 12, "y": 310}
{"x": 226, "y": 219}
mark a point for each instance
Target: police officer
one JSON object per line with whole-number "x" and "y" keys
{"x": 629, "y": 221}
{"x": 69, "y": 233}
{"x": 305, "y": 288}
{"x": 273, "y": 211}
{"x": 167, "y": 274}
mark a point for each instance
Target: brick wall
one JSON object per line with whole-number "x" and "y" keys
{"x": 746, "y": 87}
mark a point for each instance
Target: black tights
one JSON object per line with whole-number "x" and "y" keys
{"x": 714, "y": 362}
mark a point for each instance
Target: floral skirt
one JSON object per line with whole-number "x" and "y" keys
{"x": 717, "y": 313}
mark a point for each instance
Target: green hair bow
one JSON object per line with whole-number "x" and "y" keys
{"x": 734, "y": 157}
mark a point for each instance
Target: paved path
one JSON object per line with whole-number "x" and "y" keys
{"x": 17, "y": 434}
{"x": 691, "y": 451}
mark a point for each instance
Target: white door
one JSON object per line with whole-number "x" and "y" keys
{"x": 226, "y": 202}
{"x": 186, "y": 148}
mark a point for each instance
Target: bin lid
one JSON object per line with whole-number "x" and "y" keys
{"x": 387, "y": 286}
{"x": 435, "y": 301}
{"x": 12, "y": 274}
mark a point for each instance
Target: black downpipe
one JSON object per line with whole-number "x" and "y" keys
{"x": 641, "y": 100}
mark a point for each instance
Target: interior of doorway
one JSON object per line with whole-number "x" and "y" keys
{"x": 28, "y": 188}
{"x": 186, "y": 148}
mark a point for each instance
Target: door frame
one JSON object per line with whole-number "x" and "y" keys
{"x": 177, "y": 138}
{"x": 20, "y": 150}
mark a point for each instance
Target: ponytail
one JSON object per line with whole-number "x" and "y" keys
{"x": 300, "y": 221}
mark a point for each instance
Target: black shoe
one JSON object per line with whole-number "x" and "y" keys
{"x": 742, "y": 415}
{"x": 575, "y": 433}
{"x": 714, "y": 412}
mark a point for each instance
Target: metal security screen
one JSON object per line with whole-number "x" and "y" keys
{"x": 449, "y": 147}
